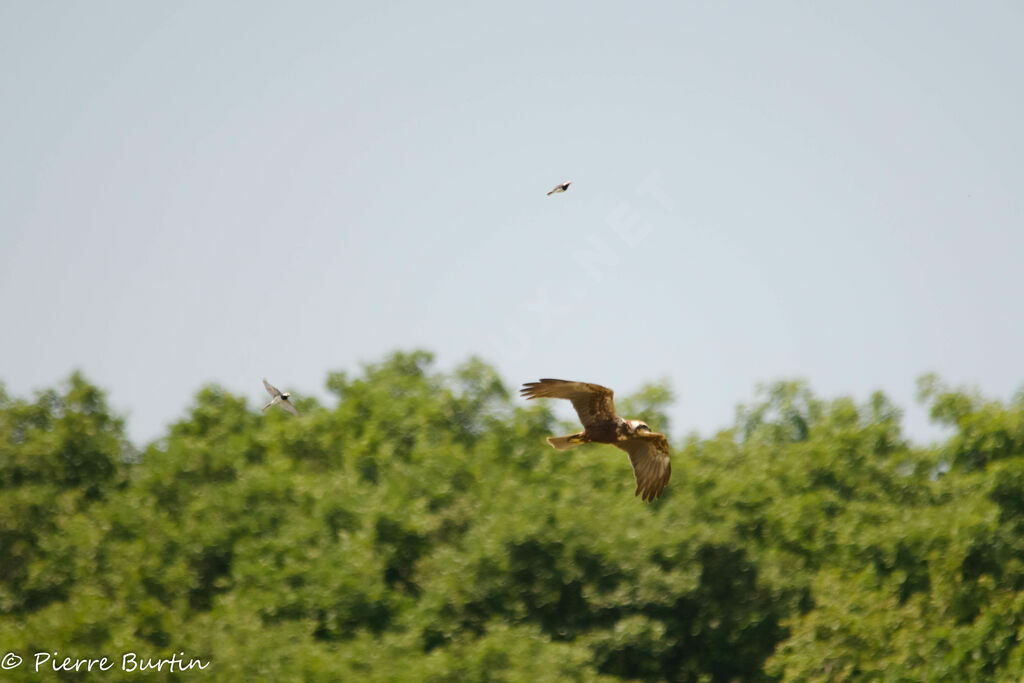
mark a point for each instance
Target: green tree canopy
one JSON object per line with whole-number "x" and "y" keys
{"x": 419, "y": 528}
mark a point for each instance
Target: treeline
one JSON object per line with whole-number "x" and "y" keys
{"x": 419, "y": 528}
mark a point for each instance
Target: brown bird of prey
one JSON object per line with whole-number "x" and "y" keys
{"x": 560, "y": 188}
{"x": 279, "y": 399}
{"x": 648, "y": 451}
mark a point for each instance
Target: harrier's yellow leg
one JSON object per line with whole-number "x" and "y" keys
{"x": 564, "y": 443}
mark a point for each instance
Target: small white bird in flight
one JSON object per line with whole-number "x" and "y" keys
{"x": 560, "y": 188}
{"x": 279, "y": 399}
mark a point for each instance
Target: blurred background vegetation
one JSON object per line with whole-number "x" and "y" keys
{"x": 421, "y": 529}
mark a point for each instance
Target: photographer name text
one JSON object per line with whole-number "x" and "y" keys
{"x": 129, "y": 661}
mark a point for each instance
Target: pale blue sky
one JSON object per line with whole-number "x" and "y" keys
{"x": 197, "y": 192}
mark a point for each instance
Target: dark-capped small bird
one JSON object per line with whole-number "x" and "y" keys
{"x": 279, "y": 399}
{"x": 560, "y": 188}
{"x": 648, "y": 451}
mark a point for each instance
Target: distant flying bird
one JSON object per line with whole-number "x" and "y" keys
{"x": 560, "y": 188}
{"x": 279, "y": 399}
{"x": 648, "y": 451}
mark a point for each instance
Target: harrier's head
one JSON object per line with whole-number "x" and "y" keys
{"x": 637, "y": 426}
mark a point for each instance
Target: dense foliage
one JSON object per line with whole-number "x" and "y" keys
{"x": 421, "y": 529}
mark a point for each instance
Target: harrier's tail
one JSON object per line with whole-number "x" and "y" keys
{"x": 564, "y": 443}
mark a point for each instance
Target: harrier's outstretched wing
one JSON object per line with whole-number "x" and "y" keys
{"x": 271, "y": 389}
{"x": 648, "y": 453}
{"x": 593, "y": 403}
{"x": 287, "y": 405}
